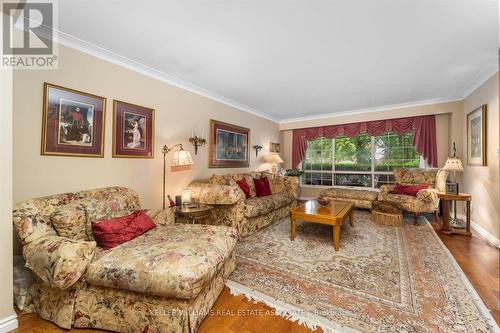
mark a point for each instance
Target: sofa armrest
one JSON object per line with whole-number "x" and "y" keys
{"x": 162, "y": 217}
{"x": 211, "y": 194}
{"x": 428, "y": 195}
{"x": 386, "y": 188}
{"x": 58, "y": 261}
{"x": 292, "y": 186}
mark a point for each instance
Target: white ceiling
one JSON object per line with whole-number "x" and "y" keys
{"x": 289, "y": 59}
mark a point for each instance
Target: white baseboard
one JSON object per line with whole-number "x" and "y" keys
{"x": 8, "y": 324}
{"x": 492, "y": 240}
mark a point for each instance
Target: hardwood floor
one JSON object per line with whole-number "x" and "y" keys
{"x": 476, "y": 257}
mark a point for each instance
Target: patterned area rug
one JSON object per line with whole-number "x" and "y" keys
{"x": 383, "y": 279}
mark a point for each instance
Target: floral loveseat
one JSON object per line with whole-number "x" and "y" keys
{"x": 231, "y": 208}
{"x": 165, "y": 280}
{"x": 427, "y": 200}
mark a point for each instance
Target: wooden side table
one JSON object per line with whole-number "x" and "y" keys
{"x": 193, "y": 214}
{"x": 447, "y": 199}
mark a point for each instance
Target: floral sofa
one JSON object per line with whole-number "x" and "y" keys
{"x": 231, "y": 208}
{"x": 165, "y": 280}
{"x": 426, "y": 201}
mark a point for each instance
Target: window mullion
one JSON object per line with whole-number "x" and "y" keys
{"x": 373, "y": 162}
{"x": 333, "y": 162}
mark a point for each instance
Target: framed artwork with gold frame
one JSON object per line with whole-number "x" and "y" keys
{"x": 133, "y": 130}
{"x": 72, "y": 123}
{"x": 229, "y": 145}
{"x": 476, "y": 136}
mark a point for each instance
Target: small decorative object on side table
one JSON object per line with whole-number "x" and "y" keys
{"x": 193, "y": 213}
{"x": 447, "y": 198}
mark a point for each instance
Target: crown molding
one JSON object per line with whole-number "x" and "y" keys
{"x": 486, "y": 72}
{"x": 81, "y": 45}
{"x": 99, "y": 52}
{"x": 86, "y": 47}
{"x": 372, "y": 109}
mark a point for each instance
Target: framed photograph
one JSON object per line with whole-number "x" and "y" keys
{"x": 133, "y": 130}
{"x": 476, "y": 136}
{"x": 274, "y": 147}
{"x": 72, "y": 122}
{"x": 229, "y": 145}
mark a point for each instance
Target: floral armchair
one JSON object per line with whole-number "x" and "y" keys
{"x": 165, "y": 280}
{"x": 231, "y": 208}
{"x": 426, "y": 201}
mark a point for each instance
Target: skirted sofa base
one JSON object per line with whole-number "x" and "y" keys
{"x": 119, "y": 310}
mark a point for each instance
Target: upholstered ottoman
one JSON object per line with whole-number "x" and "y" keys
{"x": 360, "y": 198}
{"x": 387, "y": 213}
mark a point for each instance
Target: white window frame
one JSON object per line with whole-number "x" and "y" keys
{"x": 372, "y": 172}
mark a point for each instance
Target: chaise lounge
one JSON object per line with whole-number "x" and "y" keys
{"x": 165, "y": 280}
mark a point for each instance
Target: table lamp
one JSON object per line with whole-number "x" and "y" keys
{"x": 453, "y": 164}
{"x": 181, "y": 161}
{"x": 274, "y": 160}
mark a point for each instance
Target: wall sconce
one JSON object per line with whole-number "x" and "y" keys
{"x": 257, "y": 149}
{"x": 197, "y": 142}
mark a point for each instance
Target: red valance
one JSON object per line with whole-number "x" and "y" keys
{"x": 424, "y": 138}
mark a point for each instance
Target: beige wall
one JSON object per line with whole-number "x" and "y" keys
{"x": 177, "y": 112}
{"x": 6, "y": 308}
{"x": 483, "y": 182}
{"x": 446, "y": 115}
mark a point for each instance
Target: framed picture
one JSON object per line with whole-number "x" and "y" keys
{"x": 476, "y": 136}
{"x": 274, "y": 147}
{"x": 133, "y": 130}
{"x": 72, "y": 122}
{"x": 229, "y": 145}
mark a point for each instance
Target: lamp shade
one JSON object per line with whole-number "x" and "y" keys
{"x": 181, "y": 161}
{"x": 453, "y": 164}
{"x": 274, "y": 159}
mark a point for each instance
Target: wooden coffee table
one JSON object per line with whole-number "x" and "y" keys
{"x": 332, "y": 214}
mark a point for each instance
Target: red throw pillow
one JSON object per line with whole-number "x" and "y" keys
{"x": 113, "y": 232}
{"x": 244, "y": 187}
{"x": 262, "y": 187}
{"x": 409, "y": 189}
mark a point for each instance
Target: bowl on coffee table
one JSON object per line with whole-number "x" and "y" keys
{"x": 323, "y": 201}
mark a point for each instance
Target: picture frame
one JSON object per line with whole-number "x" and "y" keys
{"x": 133, "y": 130}
{"x": 229, "y": 145}
{"x": 73, "y": 122}
{"x": 476, "y": 136}
{"x": 275, "y": 147}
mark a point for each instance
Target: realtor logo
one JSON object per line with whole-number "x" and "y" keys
{"x": 28, "y": 35}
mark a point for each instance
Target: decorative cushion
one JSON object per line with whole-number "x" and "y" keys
{"x": 262, "y": 187}
{"x": 113, "y": 232}
{"x": 244, "y": 187}
{"x": 70, "y": 221}
{"x": 59, "y": 261}
{"x": 178, "y": 262}
{"x": 409, "y": 189}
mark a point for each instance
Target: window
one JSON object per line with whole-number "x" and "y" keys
{"x": 362, "y": 161}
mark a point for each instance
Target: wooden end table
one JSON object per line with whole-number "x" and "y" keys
{"x": 447, "y": 199}
{"x": 332, "y": 214}
{"x": 193, "y": 214}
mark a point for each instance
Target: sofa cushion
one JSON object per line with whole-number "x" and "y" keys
{"x": 98, "y": 210}
{"x": 281, "y": 199}
{"x": 242, "y": 183}
{"x": 409, "y": 189}
{"x": 177, "y": 260}
{"x": 258, "y": 206}
{"x": 70, "y": 221}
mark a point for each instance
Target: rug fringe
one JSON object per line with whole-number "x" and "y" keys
{"x": 288, "y": 311}
{"x": 485, "y": 312}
